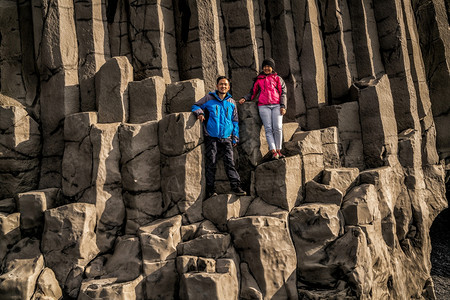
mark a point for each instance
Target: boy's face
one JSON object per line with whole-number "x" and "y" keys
{"x": 223, "y": 86}
{"x": 267, "y": 69}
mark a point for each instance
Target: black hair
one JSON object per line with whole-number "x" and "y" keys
{"x": 223, "y": 77}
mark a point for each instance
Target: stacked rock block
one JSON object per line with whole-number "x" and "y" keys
{"x": 102, "y": 165}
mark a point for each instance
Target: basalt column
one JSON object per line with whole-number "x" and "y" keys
{"x": 57, "y": 60}
{"x": 18, "y": 75}
{"x": 432, "y": 22}
{"x": 244, "y": 41}
{"x": 92, "y": 32}
{"x": 200, "y": 41}
{"x": 280, "y": 18}
{"x": 339, "y": 48}
{"x": 151, "y": 31}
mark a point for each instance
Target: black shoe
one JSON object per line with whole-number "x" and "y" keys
{"x": 238, "y": 191}
{"x": 210, "y": 192}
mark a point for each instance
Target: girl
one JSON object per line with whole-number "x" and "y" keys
{"x": 271, "y": 104}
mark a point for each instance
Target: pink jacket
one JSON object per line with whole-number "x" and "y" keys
{"x": 272, "y": 90}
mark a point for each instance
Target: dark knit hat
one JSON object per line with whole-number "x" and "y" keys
{"x": 269, "y": 62}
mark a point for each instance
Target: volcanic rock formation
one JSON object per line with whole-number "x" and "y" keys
{"x": 102, "y": 182}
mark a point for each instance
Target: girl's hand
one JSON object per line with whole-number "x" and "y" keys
{"x": 282, "y": 111}
{"x": 241, "y": 101}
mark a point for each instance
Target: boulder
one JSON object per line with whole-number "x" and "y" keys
{"x": 47, "y": 287}
{"x": 159, "y": 240}
{"x": 9, "y": 232}
{"x": 179, "y": 133}
{"x": 280, "y": 182}
{"x": 20, "y": 145}
{"x": 21, "y": 270}
{"x": 264, "y": 243}
{"x": 314, "y": 226}
{"x": 147, "y": 101}
{"x": 125, "y": 263}
{"x": 361, "y": 205}
{"x": 180, "y": 96}
{"x": 32, "y": 206}
{"x": 207, "y": 245}
{"x": 109, "y": 288}
{"x": 161, "y": 281}
{"x": 111, "y": 89}
{"x": 221, "y": 208}
{"x": 140, "y": 157}
{"x": 141, "y": 209}
{"x": 321, "y": 193}
{"x": 341, "y": 178}
{"x": 210, "y": 285}
{"x": 183, "y": 177}
{"x": 69, "y": 246}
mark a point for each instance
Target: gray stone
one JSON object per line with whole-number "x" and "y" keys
{"x": 111, "y": 89}
{"x": 153, "y": 45}
{"x": 280, "y": 182}
{"x": 21, "y": 270}
{"x": 47, "y": 287}
{"x": 264, "y": 243}
{"x": 20, "y": 145}
{"x": 199, "y": 33}
{"x": 57, "y": 62}
{"x": 119, "y": 40}
{"x": 140, "y": 157}
{"x": 106, "y": 191}
{"x": 9, "y": 232}
{"x": 159, "y": 240}
{"x": 109, "y": 288}
{"x": 179, "y": 133}
{"x": 330, "y": 147}
{"x": 69, "y": 247}
{"x": 183, "y": 177}
{"x": 94, "y": 50}
{"x": 341, "y": 178}
{"x": 141, "y": 209}
{"x": 161, "y": 281}
{"x": 366, "y": 49}
{"x": 314, "y": 227}
{"x": 77, "y": 160}
{"x": 321, "y": 193}
{"x": 346, "y": 118}
{"x": 378, "y": 122}
{"x": 8, "y": 205}
{"x": 180, "y": 96}
{"x": 147, "y": 99}
{"x": 260, "y": 208}
{"x": 340, "y": 60}
{"x": 206, "y": 245}
{"x": 221, "y": 208}
{"x": 361, "y": 205}
{"x": 32, "y": 206}
{"x": 126, "y": 261}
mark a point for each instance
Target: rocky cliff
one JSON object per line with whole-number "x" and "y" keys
{"x": 102, "y": 187}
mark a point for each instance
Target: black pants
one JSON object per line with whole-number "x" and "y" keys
{"x": 215, "y": 147}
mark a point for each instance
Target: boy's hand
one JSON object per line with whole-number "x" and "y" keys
{"x": 201, "y": 118}
{"x": 282, "y": 111}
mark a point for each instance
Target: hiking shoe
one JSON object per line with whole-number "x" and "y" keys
{"x": 280, "y": 155}
{"x": 275, "y": 155}
{"x": 210, "y": 192}
{"x": 238, "y": 191}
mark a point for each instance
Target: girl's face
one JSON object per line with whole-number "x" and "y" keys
{"x": 267, "y": 69}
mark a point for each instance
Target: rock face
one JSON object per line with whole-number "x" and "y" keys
{"x": 102, "y": 167}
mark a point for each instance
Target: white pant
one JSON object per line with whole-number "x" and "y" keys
{"x": 273, "y": 124}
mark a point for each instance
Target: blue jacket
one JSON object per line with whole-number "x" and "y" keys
{"x": 221, "y": 116}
